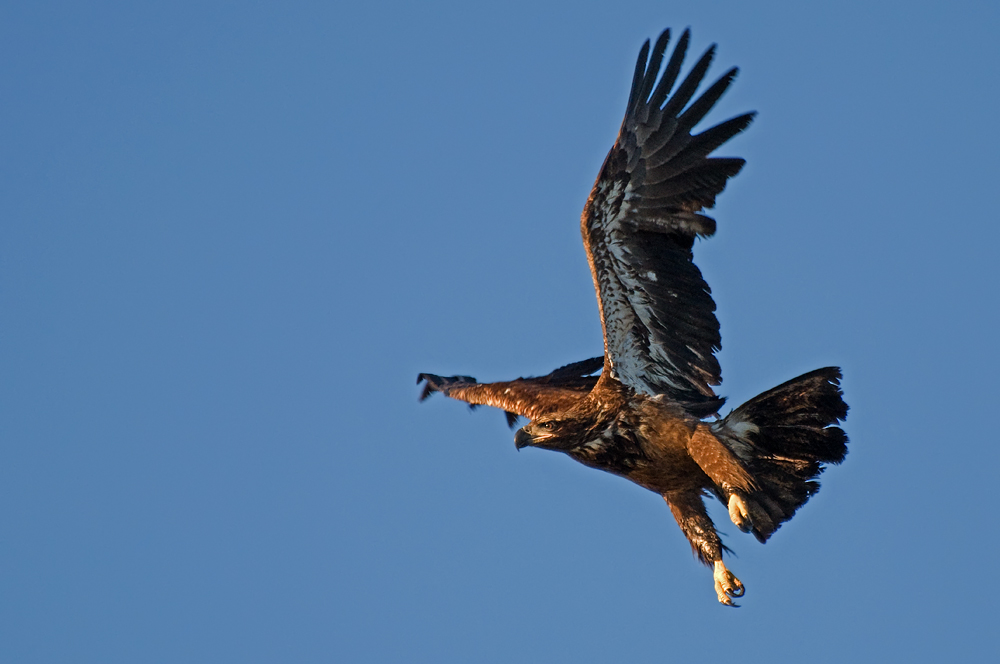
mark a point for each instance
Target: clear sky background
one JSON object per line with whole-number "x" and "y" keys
{"x": 233, "y": 233}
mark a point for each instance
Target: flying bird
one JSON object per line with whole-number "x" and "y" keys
{"x": 651, "y": 414}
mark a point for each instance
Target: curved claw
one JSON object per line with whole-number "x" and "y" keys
{"x": 727, "y": 585}
{"x": 739, "y": 513}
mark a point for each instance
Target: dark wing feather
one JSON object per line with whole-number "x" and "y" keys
{"x": 524, "y": 397}
{"x": 639, "y": 225}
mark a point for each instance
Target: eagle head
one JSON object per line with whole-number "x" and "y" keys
{"x": 551, "y": 433}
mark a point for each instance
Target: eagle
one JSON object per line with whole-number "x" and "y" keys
{"x": 646, "y": 410}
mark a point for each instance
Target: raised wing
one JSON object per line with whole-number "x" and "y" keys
{"x": 524, "y": 397}
{"x": 639, "y": 224}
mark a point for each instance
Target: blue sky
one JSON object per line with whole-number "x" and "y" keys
{"x": 231, "y": 235}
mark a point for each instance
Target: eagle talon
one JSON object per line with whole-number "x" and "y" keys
{"x": 727, "y": 585}
{"x": 739, "y": 513}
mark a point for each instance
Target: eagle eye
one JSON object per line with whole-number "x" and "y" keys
{"x": 548, "y": 426}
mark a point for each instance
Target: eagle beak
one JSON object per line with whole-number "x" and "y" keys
{"x": 522, "y": 438}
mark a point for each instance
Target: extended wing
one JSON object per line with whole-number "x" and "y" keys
{"x": 639, "y": 225}
{"x": 524, "y": 397}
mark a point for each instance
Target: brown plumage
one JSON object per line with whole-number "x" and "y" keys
{"x": 644, "y": 417}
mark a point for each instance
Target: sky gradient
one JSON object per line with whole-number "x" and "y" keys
{"x": 231, "y": 235}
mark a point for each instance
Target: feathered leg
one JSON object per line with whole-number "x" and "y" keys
{"x": 689, "y": 510}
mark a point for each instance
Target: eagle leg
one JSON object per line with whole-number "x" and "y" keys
{"x": 688, "y": 509}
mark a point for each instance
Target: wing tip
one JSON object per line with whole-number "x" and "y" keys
{"x": 435, "y": 383}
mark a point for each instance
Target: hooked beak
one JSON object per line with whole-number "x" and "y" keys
{"x": 522, "y": 438}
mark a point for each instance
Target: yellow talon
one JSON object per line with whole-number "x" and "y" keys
{"x": 727, "y": 585}
{"x": 739, "y": 513}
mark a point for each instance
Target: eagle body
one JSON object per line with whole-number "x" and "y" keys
{"x": 647, "y": 410}
{"x": 641, "y": 438}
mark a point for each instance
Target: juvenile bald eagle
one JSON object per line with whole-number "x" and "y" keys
{"x": 644, "y": 417}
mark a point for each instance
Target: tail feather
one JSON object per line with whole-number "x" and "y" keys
{"x": 783, "y": 437}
